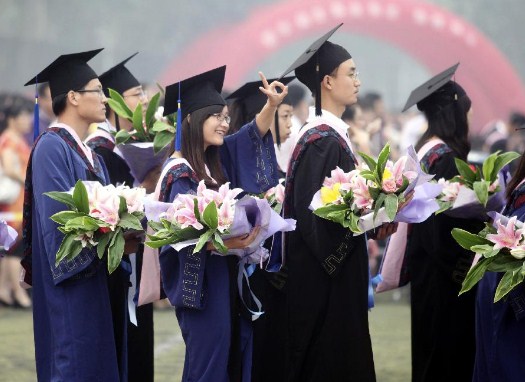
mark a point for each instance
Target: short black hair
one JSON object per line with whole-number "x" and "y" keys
{"x": 59, "y": 104}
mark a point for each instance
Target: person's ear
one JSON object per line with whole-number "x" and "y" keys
{"x": 72, "y": 97}
{"x": 327, "y": 82}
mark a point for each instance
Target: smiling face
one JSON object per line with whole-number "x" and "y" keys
{"x": 215, "y": 127}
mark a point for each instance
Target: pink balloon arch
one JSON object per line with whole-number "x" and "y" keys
{"x": 433, "y": 36}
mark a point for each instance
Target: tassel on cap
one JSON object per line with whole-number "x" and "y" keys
{"x": 318, "y": 110}
{"x": 178, "y": 133}
{"x": 36, "y": 116}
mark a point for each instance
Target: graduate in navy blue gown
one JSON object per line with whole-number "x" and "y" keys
{"x": 138, "y": 356}
{"x": 202, "y": 286}
{"x": 73, "y": 330}
{"x": 500, "y": 327}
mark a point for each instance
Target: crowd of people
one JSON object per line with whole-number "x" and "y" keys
{"x": 87, "y": 326}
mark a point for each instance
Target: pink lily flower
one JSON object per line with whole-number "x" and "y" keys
{"x": 507, "y": 236}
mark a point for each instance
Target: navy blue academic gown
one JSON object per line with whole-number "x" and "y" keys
{"x": 71, "y": 309}
{"x": 500, "y": 327}
{"x": 199, "y": 285}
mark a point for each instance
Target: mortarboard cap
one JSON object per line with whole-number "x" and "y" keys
{"x": 318, "y": 60}
{"x": 119, "y": 78}
{"x": 192, "y": 94}
{"x": 429, "y": 87}
{"x": 252, "y": 98}
{"x": 67, "y": 72}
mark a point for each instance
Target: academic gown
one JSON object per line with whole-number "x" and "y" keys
{"x": 137, "y": 357}
{"x": 202, "y": 286}
{"x": 71, "y": 309}
{"x": 443, "y": 342}
{"x": 327, "y": 285}
{"x": 500, "y": 327}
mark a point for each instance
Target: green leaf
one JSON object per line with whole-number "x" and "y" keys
{"x": 82, "y": 223}
{"x": 122, "y": 136}
{"x": 509, "y": 280}
{"x": 156, "y": 226}
{"x": 501, "y": 161}
{"x": 391, "y": 204}
{"x": 103, "y": 242}
{"x": 443, "y": 206}
{"x": 370, "y": 162}
{"x": 467, "y": 240}
{"x": 63, "y": 217}
{"x": 381, "y": 161}
{"x": 80, "y": 197}
{"x": 122, "y": 207}
{"x": 162, "y": 126}
{"x": 205, "y": 237}
{"x": 324, "y": 211}
{"x": 118, "y": 105}
{"x": 354, "y": 223}
{"x": 465, "y": 171}
{"x": 481, "y": 189}
{"x": 173, "y": 239}
{"x": 378, "y": 204}
{"x": 152, "y": 108}
{"x": 138, "y": 124}
{"x": 115, "y": 250}
{"x": 161, "y": 140}
{"x": 210, "y": 215}
{"x": 488, "y": 166}
{"x": 486, "y": 250}
{"x": 67, "y": 247}
{"x": 196, "y": 209}
{"x": 62, "y": 197}
{"x": 219, "y": 244}
{"x": 130, "y": 221}
{"x": 475, "y": 274}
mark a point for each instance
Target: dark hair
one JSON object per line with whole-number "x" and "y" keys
{"x": 239, "y": 116}
{"x": 296, "y": 94}
{"x": 446, "y": 112}
{"x": 12, "y": 106}
{"x": 516, "y": 178}
{"x": 192, "y": 147}
{"x": 368, "y": 101}
{"x": 59, "y": 104}
{"x": 349, "y": 113}
{"x": 42, "y": 89}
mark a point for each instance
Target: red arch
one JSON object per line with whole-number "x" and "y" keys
{"x": 432, "y": 35}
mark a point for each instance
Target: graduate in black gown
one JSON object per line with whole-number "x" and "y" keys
{"x": 327, "y": 286}
{"x": 443, "y": 343}
{"x": 138, "y": 336}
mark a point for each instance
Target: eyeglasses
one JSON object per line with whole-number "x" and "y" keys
{"x": 100, "y": 92}
{"x": 355, "y": 75}
{"x": 222, "y": 118}
{"x": 141, "y": 94}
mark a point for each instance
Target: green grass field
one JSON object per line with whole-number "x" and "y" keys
{"x": 389, "y": 326}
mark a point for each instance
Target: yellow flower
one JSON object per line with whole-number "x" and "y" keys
{"x": 387, "y": 174}
{"x": 330, "y": 194}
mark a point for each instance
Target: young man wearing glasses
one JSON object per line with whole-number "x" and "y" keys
{"x": 73, "y": 329}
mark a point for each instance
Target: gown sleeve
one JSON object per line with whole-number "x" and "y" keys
{"x": 329, "y": 242}
{"x": 182, "y": 272}
{"x": 52, "y": 171}
{"x": 249, "y": 159}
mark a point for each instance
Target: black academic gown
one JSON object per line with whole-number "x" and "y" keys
{"x": 140, "y": 337}
{"x": 327, "y": 285}
{"x": 443, "y": 339}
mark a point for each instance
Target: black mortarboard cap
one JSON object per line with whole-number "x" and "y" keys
{"x": 435, "y": 83}
{"x": 67, "y": 72}
{"x": 318, "y": 60}
{"x": 192, "y": 94}
{"x": 195, "y": 92}
{"x": 119, "y": 78}
{"x": 251, "y": 97}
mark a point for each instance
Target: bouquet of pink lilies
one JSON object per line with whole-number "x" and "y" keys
{"x": 500, "y": 247}
{"x": 98, "y": 217}
{"x": 371, "y": 194}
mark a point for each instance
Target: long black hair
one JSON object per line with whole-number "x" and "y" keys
{"x": 446, "y": 111}
{"x": 192, "y": 148}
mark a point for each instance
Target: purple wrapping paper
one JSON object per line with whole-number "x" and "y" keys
{"x": 141, "y": 158}
{"x": 249, "y": 212}
{"x": 475, "y": 210}
{"x": 8, "y": 235}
